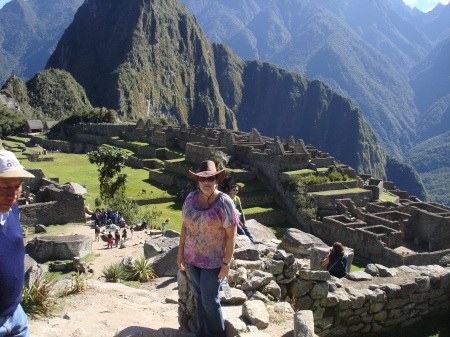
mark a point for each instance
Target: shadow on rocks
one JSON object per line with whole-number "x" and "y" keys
{"x": 137, "y": 331}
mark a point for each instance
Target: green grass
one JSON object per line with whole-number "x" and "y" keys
{"x": 71, "y": 167}
{"x": 51, "y": 230}
{"x": 299, "y": 172}
{"x": 388, "y": 196}
{"x": 350, "y": 190}
{"x": 170, "y": 210}
{"x": 263, "y": 208}
{"x": 357, "y": 266}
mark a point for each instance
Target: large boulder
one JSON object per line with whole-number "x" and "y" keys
{"x": 162, "y": 252}
{"x": 45, "y": 248}
{"x": 259, "y": 231}
{"x": 300, "y": 243}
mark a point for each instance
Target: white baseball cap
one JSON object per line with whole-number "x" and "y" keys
{"x": 10, "y": 166}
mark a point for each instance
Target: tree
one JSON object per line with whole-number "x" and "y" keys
{"x": 110, "y": 161}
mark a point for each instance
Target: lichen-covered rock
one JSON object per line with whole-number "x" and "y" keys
{"x": 256, "y": 312}
{"x": 257, "y": 279}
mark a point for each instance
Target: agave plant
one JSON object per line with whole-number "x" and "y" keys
{"x": 36, "y": 297}
{"x": 114, "y": 272}
{"x": 142, "y": 271}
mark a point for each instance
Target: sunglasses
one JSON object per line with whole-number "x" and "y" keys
{"x": 234, "y": 189}
{"x": 210, "y": 179}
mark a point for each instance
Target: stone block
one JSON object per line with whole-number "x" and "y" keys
{"x": 299, "y": 288}
{"x": 312, "y": 275}
{"x": 380, "y": 316}
{"x": 256, "y": 312}
{"x": 45, "y": 248}
{"x": 304, "y": 324}
{"x": 319, "y": 291}
{"x": 423, "y": 283}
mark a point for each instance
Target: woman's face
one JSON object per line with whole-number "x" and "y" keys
{"x": 234, "y": 191}
{"x": 208, "y": 185}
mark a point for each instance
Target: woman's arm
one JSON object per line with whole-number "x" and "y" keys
{"x": 326, "y": 260}
{"x": 180, "y": 259}
{"x": 230, "y": 233}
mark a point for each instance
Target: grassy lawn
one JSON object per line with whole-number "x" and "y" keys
{"x": 350, "y": 190}
{"x": 170, "y": 210}
{"x": 388, "y": 196}
{"x": 300, "y": 172}
{"x": 71, "y": 167}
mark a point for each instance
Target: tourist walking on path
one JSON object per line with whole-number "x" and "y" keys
{"x": 110, "y": 240}
{"x": 336, "y": 260}
{"x": 132, "y": 231}
{"x": 242, "y": 229}
{"x": 12, "y": 251}
{"x": 97, "y": 233}
{"x": 207, "y": 240}
{"x": 163, "y": 226}
{"x": 117, "y": 237}
{"x": 124, "y": 235}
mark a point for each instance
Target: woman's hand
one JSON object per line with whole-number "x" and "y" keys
{"x": 181, "y": 263}
{"x": 224, "y": 270}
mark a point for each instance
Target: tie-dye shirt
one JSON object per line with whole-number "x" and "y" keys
{"x": 205, "y": 230}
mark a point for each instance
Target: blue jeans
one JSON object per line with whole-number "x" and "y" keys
{"x": 15, "y": 325}
{"x": 209, "y": 311}
{"x": 244, "y": 231}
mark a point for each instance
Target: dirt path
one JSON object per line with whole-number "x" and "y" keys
{"x": 107, "y": 308}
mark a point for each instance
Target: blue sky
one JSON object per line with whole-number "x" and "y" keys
{"x": 423, "y": 5}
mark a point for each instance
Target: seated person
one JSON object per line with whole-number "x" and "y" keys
{"x": 336, "y": 261}
{"x": 242, "y": 229}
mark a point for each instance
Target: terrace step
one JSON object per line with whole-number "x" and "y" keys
{"x": 359, "y": 196}
{"x": 169, "y": 178}
{"x": 256, "y": 198}
{"x": 267, "y": 215}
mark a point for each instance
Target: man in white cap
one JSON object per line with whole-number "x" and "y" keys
{"x": 13, "y": 320}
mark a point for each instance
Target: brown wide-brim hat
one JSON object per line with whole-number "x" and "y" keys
{"x": 208, "y": 169}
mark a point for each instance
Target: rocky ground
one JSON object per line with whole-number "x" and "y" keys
{"x": 112, "y": 309}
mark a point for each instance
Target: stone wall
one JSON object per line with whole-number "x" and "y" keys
{"x": 363, "y": 302}
{"x": 360, "y": 198}
{"x": 53, "y": 212}
{"x": 197, "y": 152}
{"x": 52, "y": 144}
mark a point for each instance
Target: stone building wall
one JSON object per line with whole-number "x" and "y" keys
{"x": 90, "y": 138}
{"x": 363, "y": 302}
{"x": 52, "y": 144}
{"x": 197, "y": 152}
{"x": 107, "y": 129}
{"x": 53, "y": 212}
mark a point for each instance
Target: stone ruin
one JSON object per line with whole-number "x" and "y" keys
{"x": 406, "y": 231}
{"x": 419, "y": 236}
{"x": 266, "y": 278}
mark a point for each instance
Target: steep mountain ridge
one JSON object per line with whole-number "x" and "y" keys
{"x": 142, "y": 58}
{"x": 169, "y": 65}
{"x": 306, "y": 37}
{"x": 29, "y": 31}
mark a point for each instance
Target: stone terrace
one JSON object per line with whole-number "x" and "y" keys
{"x": 406, "y": 231}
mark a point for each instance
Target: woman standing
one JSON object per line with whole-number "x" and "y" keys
{"x": 207, "y": 241}
{"x": 336, "y": 260}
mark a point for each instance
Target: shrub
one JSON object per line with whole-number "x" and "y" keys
{"x": 336, "y": 176}
{"x": 306, "y": 205}
{"x": 142, "y": 271}
{"x": 114, "y": 272}
{"x": 36, "y": 297}
{"x": 78, "y": 284}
